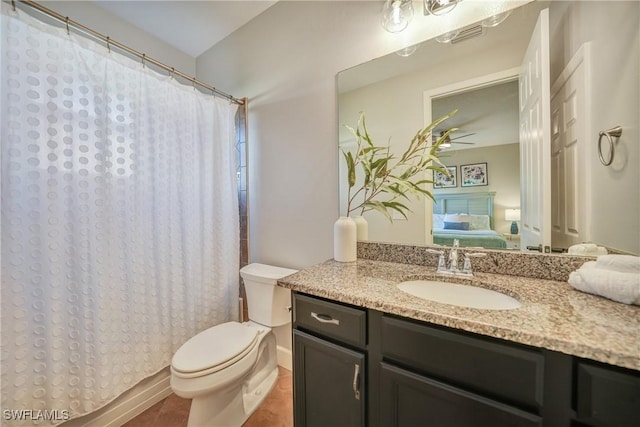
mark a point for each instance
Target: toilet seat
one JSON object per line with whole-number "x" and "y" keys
{"x": 214, "y": 349}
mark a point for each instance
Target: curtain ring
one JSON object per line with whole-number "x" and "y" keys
{"x": 173, "y": 70}
{"x": 13, "y": 3}
{"x": 193, "y": 82}
{"x": 613, "y": 132}
{"x": 108, "y": 45}
{"x": 143, "y": 57}
{"x": 66, "y": 23}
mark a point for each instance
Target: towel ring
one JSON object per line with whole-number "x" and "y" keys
{"x": 613, "y": 132}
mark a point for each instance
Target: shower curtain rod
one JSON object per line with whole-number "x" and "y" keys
{"x": 110, "y": 42}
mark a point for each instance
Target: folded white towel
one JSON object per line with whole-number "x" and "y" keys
{"x": 587, "y": 249}
{"x": 621, "y": 263}
{"x": 617, "y": 286}
{"x": 589, "y": 264}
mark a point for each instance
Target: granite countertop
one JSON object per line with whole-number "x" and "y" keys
{"x": 553, "y": 314}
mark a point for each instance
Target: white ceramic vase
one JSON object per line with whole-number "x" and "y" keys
{"x": 362, "y": 228}
{"x": 344, "y": 240}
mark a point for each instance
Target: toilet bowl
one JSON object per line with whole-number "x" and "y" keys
{"x": 229, "y": 369}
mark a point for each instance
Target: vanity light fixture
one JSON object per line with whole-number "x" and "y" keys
{"x": 439, "y": 7}
{"x": 474, "y": 30}
{"x": 448, "y": 36}
{"x": 396, "y": 15}
{"x": 495, "y": 20}
{"x": 407, "y": 51}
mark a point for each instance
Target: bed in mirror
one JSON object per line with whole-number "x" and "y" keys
{"x": 480, "y": 77}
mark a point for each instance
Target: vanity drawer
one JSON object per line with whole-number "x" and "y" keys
{"x": 333, "y": 320}
{"x": 411, "y": 399}
{"x": 607, "y": 397}
{"x": 508, "y": 373}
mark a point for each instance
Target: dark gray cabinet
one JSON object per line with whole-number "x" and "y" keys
{"x": 412, "y": 373}
{"x": 509, "y": 373}
{"x": 411, "y": 400}
{"x": 435, "y": 376}
{"x": 329, "y": 371}
{"x": 329, "y": 385}
{"x": 607, "y": 397}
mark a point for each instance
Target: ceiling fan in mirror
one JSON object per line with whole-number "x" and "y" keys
{"x": 448, "y": 141}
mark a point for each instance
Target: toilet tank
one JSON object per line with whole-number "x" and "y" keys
{"x": 268, "y": 303}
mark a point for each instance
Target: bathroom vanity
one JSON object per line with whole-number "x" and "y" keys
{"x": 366, "y": 353}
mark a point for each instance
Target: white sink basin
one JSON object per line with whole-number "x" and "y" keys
{"x": 460, "y": 295}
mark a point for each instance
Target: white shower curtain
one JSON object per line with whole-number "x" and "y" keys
{"x": 120, "y": 235}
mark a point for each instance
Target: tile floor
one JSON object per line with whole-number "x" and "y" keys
{"x": 275, "y": 411}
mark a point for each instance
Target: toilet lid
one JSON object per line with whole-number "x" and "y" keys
{"x": 214, "y": 347}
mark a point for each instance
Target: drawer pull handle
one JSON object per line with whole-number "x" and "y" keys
{"x": 324, "y": 318}
{"x": 356, "y": 378}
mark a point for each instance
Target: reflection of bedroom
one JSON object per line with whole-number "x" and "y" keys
{"x": 503, "y": 177}
{"x": 392, "y": 90}
{"x": 488, "y": 141}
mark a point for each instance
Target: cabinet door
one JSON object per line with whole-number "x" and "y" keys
{"x": 607, "y": 397}
{"x": 510, "y": 373}
{"x": 328, "y": 383}
{"x": 408, "y": 400}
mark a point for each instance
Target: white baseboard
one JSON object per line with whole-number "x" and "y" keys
{"x": 144, "y": 395}
{"x": 130, "y": 404}
{"x": 285, "y": 358}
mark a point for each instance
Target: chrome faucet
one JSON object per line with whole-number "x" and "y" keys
{"x": 453, "y": 257}
{"x": 466, "y": 268}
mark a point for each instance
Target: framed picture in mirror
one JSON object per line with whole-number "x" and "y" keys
{"x": 441, "y": 180}
{"x": 473, "y": 175}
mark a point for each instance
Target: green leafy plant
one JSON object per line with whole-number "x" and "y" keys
{"x": 389, "y": 181}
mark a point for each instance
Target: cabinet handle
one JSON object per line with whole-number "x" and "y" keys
{"x": 325, "y": 318}
{"x": 356, "y": 386}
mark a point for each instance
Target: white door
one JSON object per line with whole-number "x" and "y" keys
{"x": 535, "y": 140}
{"x": 570, "y": 124}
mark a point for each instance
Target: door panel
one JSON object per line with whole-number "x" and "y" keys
{"x": 535, "y": 139}
{"x": 571, "y": 201}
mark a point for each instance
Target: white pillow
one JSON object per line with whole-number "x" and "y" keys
{"x": 438, "y": 221}
{"x": 480, "y": 222}
{"x": 457, "y": 218}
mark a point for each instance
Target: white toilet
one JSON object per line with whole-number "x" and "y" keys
{"x": 230, "y": 368}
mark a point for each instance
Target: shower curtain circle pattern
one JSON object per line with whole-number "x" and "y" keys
{"x": 119, "y": 232}
{"x": 110, "y": 42}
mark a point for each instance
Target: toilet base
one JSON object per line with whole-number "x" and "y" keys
{"x": 238, "y": 409}
{"x": 232, "y": 405}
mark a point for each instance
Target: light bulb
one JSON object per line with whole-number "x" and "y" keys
{"x": 396, "y": 15}
{"x": 407, "y": 51}
{"x": 439, "y": 7}
{"x": 447, "y": 37}
{"x": 495, "y": 20}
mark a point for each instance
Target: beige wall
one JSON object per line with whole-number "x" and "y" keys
{"x": 98, "y": 19}
{"x": 614, "y": 31}
{"x": 286, "y": 61}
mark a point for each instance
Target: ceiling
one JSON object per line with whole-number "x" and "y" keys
{"x": 190, "y": 26}
{"x": 489, "y": 115}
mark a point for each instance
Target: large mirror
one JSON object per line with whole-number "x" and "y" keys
{"x": 586, "y": 201}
